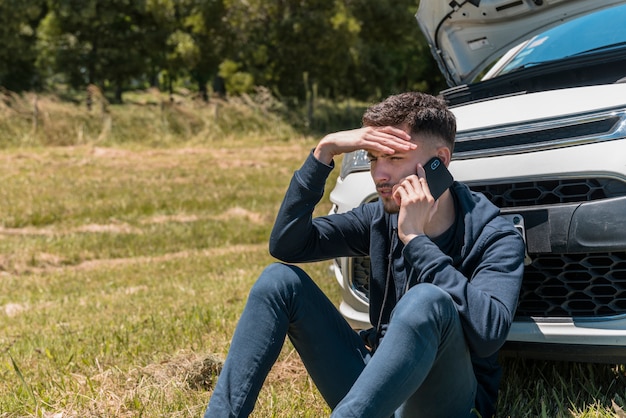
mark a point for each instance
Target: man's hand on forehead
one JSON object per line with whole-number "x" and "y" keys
{"x": 386, "y": 140}
{"x": 381, "y": 139}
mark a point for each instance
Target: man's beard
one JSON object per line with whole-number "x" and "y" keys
{"x": 390, "y": 206}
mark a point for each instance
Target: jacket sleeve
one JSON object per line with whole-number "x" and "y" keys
{"x": 298, "y": 237}
{"x": 487, "y": 300}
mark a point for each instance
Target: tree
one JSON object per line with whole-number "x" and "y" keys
{"x": 18, "y": 30}
{"x": 279, "y": 42}
{"x": 104, "y": 42}
{"x": 346, "y": 48}
{"x": 339, "y": 48}
{"x": 204, "y": 22}
{"x": 393, "y": 55}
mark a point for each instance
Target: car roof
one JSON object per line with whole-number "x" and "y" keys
{"x": 467, "y": 36}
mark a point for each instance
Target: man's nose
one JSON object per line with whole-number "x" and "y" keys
{"x": 379, "y": 173}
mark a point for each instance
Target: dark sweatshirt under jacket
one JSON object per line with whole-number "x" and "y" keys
{"x": 484, "y": 279}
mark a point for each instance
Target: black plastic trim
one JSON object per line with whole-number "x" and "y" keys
{"x": 597, "y": 226}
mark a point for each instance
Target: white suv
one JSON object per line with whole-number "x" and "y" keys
{"x": 543, "y": 135}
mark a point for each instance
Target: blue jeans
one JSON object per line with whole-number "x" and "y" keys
{"x": 422, "y": 367}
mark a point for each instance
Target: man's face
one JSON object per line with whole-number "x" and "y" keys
{"x": 387, "y": 170}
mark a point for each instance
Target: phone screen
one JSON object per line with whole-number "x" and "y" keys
{"x": 438, "y": 177}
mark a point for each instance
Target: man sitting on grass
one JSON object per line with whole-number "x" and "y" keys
{"x": 445, "y": 278}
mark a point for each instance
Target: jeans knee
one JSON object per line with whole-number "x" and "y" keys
{"x": 425, "y": 302}
{"x": 278, "y": 278}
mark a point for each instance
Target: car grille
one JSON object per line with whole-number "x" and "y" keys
{"x": 361, "y": 276}
{"x": 550, "y": 192}
{"x": 555, "y": 285}
{"x": 577, "y": 285}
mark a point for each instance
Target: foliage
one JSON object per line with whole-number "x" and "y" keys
{"x": 392, "y": 54}
{"x": 237, "y": 82}
{"x": 335, "y": 48}
{"x": 19, "y": 21}
{"x": 92, "y": 42}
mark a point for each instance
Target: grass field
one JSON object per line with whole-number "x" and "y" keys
{"x": 125, "y": 262}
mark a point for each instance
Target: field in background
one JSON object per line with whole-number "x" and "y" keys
{"x": 129, "y": 237}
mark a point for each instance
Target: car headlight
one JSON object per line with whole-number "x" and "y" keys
{"x": 354, "y": 161}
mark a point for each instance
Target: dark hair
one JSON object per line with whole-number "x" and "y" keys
{"x": 421, "y": 112}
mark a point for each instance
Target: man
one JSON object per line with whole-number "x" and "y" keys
{"x": 445, "y": 278}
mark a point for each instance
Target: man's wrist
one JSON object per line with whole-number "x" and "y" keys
{"x": 410, "y": 237}
{"x": 322, "y": 155}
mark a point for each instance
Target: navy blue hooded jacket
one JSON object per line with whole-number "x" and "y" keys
{"x": 484, "y": 280}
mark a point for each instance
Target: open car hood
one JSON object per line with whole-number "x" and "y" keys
{"x": 466, "y": 36}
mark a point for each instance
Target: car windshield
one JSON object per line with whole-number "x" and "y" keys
{"x": 598, "y": 31}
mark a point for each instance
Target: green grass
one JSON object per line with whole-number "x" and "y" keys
{"x": 124, "y": 268}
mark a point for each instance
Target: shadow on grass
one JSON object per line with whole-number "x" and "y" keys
{"x": 536, "y": 388}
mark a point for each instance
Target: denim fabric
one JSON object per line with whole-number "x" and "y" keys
{"x": 422, "y": 367}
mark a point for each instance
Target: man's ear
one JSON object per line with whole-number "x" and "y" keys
{"x": 444, "y": 155}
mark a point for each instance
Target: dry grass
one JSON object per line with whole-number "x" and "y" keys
{"x": 148, "y": 118}
{"x": 123, "y": 271}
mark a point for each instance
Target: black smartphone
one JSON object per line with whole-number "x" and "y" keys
{"x": 438, "y": 177}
